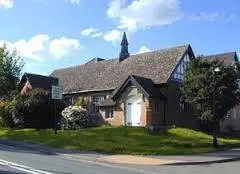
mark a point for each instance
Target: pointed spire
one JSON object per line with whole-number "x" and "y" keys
{"x": 124, "y": 39}
{"x": 124, "y": 48}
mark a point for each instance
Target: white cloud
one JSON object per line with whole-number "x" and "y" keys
{"x": 31, "y": 49}
{"x": 40, "y": 47}
{"x": 143, "y": 49}
{"x": 144, "y": 13}
{"x": 206, "y": 16}
{"x": 63, "y": 47}
{"x": 96, "y": 35}
{"x": 91, "y": 32}
{"x": 6, "y": 3}
{"x": 127, "y": 23}
{"x": 114, "y": 8}
{"x": 113, "y": 35}
{"x": 88, "y": 31}
{"x": 73, "y": 2}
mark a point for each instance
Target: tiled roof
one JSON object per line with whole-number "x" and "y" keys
{"x": 109, "y": 74}
{"x": 149, "y": 87}
{"x": 227, "y": 58}
{"x": 39, "y": 81}
{"x": 146, "y": 86}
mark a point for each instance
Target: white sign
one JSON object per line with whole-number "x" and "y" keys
{"x": 57, "y": 92}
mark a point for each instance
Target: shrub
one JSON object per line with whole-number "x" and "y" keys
{"x": 6, "y": 110}
{"x": 35, "y": 109}
{"x": 75, "y": 117}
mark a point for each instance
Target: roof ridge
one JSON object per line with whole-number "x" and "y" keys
{"x": 116, "y": 58}
{"x": 38, "y": 75}
{"x": 154, "y": 51}
{"x": 87, "y": 63}
{"x": 174, "y": 47}
{"x": 217, "y": 54}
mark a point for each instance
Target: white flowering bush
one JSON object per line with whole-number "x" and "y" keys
{"x": 75, "y": 117}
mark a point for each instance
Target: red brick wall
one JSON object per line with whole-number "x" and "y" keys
{"x": 174, "y": 114}
{"x": 145, "y": 112}
{"x": 119, "y": 114}
{"x": 27, "y": 87}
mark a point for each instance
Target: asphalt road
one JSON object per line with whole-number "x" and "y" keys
{"x": 8, "y": 170}
{"x": 19, "y": 160}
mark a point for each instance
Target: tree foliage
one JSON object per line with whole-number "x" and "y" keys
{"x": 6, "y": 110}
{"x": 10, "y": 69}
{"x": 35, "y": 109}
{"x": 31, "y": 110}
{"x": 212, "y": 93}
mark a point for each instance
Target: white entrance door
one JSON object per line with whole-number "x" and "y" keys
{"x": 133, "y": 111}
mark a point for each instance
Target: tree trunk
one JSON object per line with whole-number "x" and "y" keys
{"x": 215, "y": 140}
{"x": 215, "y": 131}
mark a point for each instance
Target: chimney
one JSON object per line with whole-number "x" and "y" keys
{"x": 124, "y": 48}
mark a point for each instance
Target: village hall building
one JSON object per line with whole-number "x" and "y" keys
{"x": 136, "y": 90}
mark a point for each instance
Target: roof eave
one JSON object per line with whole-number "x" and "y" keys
{"x": 86, "y": 91}
{"x": 124, "y": 84}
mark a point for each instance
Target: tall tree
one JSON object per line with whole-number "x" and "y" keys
{"x": 10, "y": 70}
{"x": 212, "y": 88}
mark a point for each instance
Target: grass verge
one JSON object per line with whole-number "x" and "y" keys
{"x": 123, "y": 140}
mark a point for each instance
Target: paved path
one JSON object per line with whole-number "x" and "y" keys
{"x": 19, "y": 158}
{"x": 25, "y": 159}
{"x": 216, "y": 157}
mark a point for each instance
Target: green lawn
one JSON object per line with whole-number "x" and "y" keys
{"x": 123, "y": 140}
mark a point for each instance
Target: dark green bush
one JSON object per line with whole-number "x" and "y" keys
{"x": 35, "y": 109}
{"x": 6, "y": 110}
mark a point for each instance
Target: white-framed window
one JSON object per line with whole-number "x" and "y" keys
{"x": 68, "y": 101}
{"x": 229, "y": 114}
{"x": 109, "y": 112}
{"x": 179, "y": 72}
{"x": 98, "y": 98}
{"x": 236, "y": 113}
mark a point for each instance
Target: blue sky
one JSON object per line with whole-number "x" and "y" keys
{"x": 60, "y": 33}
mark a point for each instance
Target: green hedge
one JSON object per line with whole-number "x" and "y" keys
{"x": 34, "y": 109}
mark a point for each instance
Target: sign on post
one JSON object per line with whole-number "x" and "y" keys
{"x": 57, "y": 92}
{"x": 56, "y": 95}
